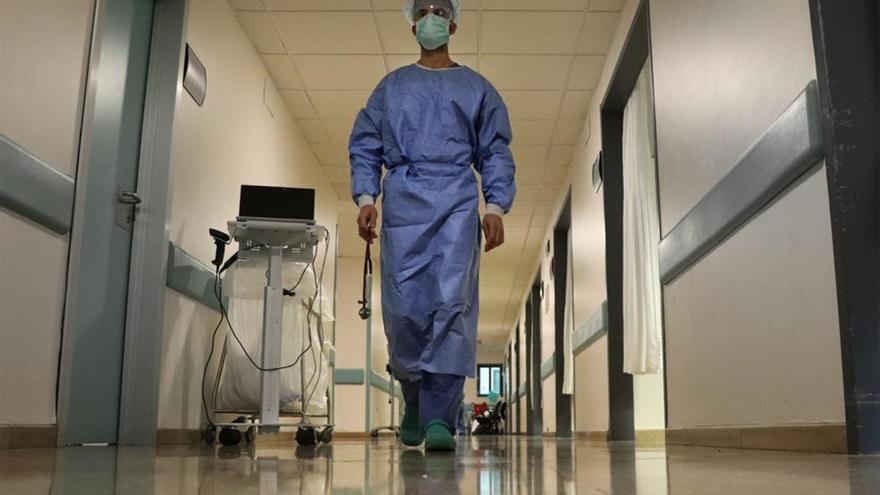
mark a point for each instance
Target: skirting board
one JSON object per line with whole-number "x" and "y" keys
{"x": 595, "y": 436}
{"x": 648, "y": 438}
{"x": 178, "y": 437}
{"x": 828, "y": 438}
{"x": 28, "y": 437}
{"x": 191, "y": 437}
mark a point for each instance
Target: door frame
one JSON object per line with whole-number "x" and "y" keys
{"x": 846, "y": 42}
{"x": 518, "y": 381}
{"x": 141, "y": 332}
{"x": 533, "y": 314}
{"x": 560, "y": 266}
{"x": 145, "y": 315}
{"x": 636, "y": 51}
{"x": 529, "y": 385}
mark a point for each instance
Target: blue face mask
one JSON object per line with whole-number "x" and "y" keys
{"x": 432, "y": 31}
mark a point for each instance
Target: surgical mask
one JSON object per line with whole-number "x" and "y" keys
{"x": 432, "y": 31}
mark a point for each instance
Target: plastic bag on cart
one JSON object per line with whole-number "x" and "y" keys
{"x": 302, "y": 333}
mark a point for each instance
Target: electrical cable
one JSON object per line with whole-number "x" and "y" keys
{"x": 319, "y": 282}
{"x": 211, "y": 354}
{"x": 224, "y": 316}
{"x": 292, "y": 291}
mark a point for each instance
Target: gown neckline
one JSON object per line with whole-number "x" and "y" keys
{"x": 456, "y": 65}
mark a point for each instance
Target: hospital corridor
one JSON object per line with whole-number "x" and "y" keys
{"x": 439, "y": 247}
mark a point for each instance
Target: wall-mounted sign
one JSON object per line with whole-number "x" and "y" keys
{"x": 195, "y": 77}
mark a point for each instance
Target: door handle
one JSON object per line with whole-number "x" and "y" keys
{"x": 129, "y": 198}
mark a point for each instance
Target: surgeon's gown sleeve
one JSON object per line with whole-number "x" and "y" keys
{"x": 494, "y": 161}
{"x": 366, "y": 149}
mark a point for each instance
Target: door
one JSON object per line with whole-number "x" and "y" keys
{"x": 517, "y": 381}
{"x": 536, "y": 423}
{"x": 105, "y": 204}
{"x": 560, "y": 267}
{"x": 529, "y": 397}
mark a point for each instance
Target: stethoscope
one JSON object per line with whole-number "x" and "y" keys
{"x": 365, "y": 310}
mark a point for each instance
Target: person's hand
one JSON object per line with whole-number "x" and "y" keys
{"x": 493, "y": 230}
{"x": 367, "y": 223}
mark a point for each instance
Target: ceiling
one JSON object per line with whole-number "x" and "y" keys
{"x": 544, "y": 56}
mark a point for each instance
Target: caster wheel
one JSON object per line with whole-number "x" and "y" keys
{"x": 306, "y": 436}
{"x": 250, "y": 435}
{"x": 326, "y": 435}
{"x": 209, "y": 435}
{"x": 230, "y": 436}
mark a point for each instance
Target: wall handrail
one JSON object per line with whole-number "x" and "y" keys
{"x": 790, "y": 147}
{"x": 34, "y": 189}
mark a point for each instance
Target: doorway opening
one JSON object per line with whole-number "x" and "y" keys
{"x": 535, "y": 410}
{"x": 560, "y": 266}
{"x": 634, "y": 56}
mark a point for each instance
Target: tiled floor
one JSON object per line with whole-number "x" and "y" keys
{"x": 484, "y": 465}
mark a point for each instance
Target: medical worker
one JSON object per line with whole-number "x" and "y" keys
{"x": 431, "y": 124}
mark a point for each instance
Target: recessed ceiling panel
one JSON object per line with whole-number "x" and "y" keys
{"x": 328, "y": 32}
{"x": 530, "y": 32}
{"x": 340, "y": 71}
{"x": 518, "y": 72}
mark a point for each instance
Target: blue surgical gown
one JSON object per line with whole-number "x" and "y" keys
{"x": 431, "y": 129}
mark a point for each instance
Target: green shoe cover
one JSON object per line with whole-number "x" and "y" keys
{"x": 410, "y": 428}
{"x": 438, "y": 437}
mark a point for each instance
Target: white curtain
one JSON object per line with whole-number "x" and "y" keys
{"x": 568, "y": 363}
{"x": 642, "y": 311}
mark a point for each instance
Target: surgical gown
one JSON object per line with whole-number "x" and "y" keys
{"x": 431, "y": 128}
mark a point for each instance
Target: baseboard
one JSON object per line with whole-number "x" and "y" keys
{"x": 178, "y": 437}
{"x": 828, "y": 438}
{"x": 28, "y": 436}
{"x": 351, "y": 435}
{"x": 595, "y": 436}
{"x": 650, "y": 435}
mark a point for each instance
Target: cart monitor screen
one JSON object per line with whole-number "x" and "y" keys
{"x": 283, "y": 203}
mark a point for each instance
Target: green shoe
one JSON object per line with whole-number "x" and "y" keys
{"x": 438, "y": 437}
{"x": 410, "y": 428}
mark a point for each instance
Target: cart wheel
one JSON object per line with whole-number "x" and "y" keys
{"x": 306, "y": 436}
{"x": 250, "y": 435}
{"x": 230, "y": 436}
{"x": 326, "y": 435}
{"x": 209, "y": 435}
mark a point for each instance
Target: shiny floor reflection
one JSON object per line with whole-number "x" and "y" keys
{"x": 484, "y": 465}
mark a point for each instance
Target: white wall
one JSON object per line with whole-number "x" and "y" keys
{"x": 43, "y": 51}
{"x": 588, "y": 257}
{"x": 752, "y": 328}
{"x": 548, "y": 396}
{"x": 234, "y": 138}
{"x": 591, "y": 388}
{"x": 648, "y": 402}
{"x": 351, "y": 341}
{"x": 752, "y": 331}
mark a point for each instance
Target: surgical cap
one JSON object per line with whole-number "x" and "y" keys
{"x": 411, "y": 6}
